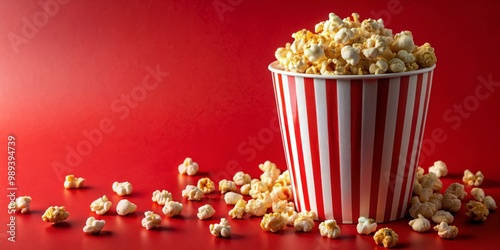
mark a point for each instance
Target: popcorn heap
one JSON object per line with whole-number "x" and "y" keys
{"x": 353, "y": 47}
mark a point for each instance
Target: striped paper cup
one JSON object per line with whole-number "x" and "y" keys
{"x": 352, "y": 142}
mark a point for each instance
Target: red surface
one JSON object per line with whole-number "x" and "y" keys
{"x": 80, "y": 71}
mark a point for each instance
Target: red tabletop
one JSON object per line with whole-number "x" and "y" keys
{"x": 114, "y": 91}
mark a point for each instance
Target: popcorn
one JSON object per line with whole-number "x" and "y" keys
{"x": 420, "y": 224}
{"x": 439, "y": 169}
{"x": 172, "y": 208}
{"x": 73, "y": 182}
{"x": 227, "y": 186}
{"x": 231, "y": 198}
{"x": 151, "y": 220}
{"x": 426, "y": 209}
{"x": 386, "y": 237}
{"x": 473, "y": 179}
{"x": 188, "y": 167}
{"x": 445, "y": 231}
{"x": 310, "y": 214}
{"x": 419, "y": 174}
{"x": 93, "y": 226}
{"x": 55, "y": 214}
{"x": 245, "y": 189}
{"x": 437, "y": 199}
{"x": 193, "y": 193}
{"x": 430, "y": 180}
{"x": 101, "y": 205}
{"x": 223, "y": 229}
{"x": 23, "y": 204}
{"x": 238, "y": 210}
{"x": 350, "y": 46}
{"x": 490, "y": 203}
{"x": 122, "y": 188}
{"x": 240, "y": 178}
{"x": 125, "y": 207}
{"x": 478, "y": 194}
{"x": 205, "y": 212}
{"x": 366, "y": 225}
{"x": 273, "y": 222}
{"x": 283, "y": 206}
{"x": 330, "y": 229}
{"x": 476, "y": 211}
{"x": 206, "y": 185}
{"x": 290, "y": 217}
{"x": 266, "y": 199}
{"x": 271, "y": 173}
{"x": 441, "y": 216}
{"x": 281, "y": 193}
{"x": 451, "y": 202}
{"x": 257, "y": 187}
{"x": 161, "y": 197}
{"x": 255, "y": 208}
{"x": 283, "y": 179}
{"x": 303, "y": 223}
{"x": 457, "y": 189}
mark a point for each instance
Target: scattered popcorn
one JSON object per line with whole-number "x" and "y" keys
{"x": 257, "y": 187}
{"x": 281, "y": 193}
{"x": 426, "y": 209}
{"x": 303, "y": 223}
{"x": 473, "y": 179}
{"x": 439, "y": 169}
{"x": 330, "y": 229}
{"x": 350, "y": 46}
{"x": 419, "y": 174}
{"x": 188, "y": 167}
{"x": 93, "y": 226}
{"x": 73, "y": 182}
{"x": 265, "y": 197}
{"x": 310, "y": 214}
{"x": 478, "y": 194}
{"x": 245, "y": 189}
{"x": 101, "y": 205}
{"x": 283, "y": 179}
{"x": 437, "y": 198}
{"x": 290, "y": 217}
{"x": 270, "y": 173}
{"x": 172, "y": 208}
{"x": 223, "y": 229}
{"x": 430, "y": 180}
{"x": 457, "y": 189}
{"x": 386, "y": 237}
{"x": 193, "y": 193}
{"x": 227, "y": 186}
{"x": 283, "y": 206}
{"x": 490, "y": 203}
{"x": 240, "y": 178}
{"x": 476, "y": 211}
{"x": 23, "y": 204}
{"x": 125, "y": 207}
{"x": 424, "y": 194}
{"x": 451, "y": 202}
{"x": 445, "y": 231}
{"x": 366, "y": 225}
{"x": 420, "y": 224}
{"x": 238, "y": 210}
{"x": 441, "y": 216}
{"x": 151, "y": 220}
{"x": 206, "y": 185}
{"x": 205, "y": 212}
{"x": 273, "y": 222}
{"x": 231, "y": 198}
{"x": 161, "y": 197}
{"x": 122, "y": 188}
{"x": 255, "y": 208}
{"x": 55, "y": 214}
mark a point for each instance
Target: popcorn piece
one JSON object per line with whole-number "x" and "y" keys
{"x": 310, "y": 214}
{"x": 283, "y": 179}
{"x": 172, "y": 208}
{"x": 303, "y": 223}
{"x": 441, "y": 216}
{"x": 151, "y": 220}
{"x": 193, "y": 193}
{"x": 125, "y": 207}
{"x": 223, "y": 229}
{"x": 101, "y": 205}
{"x": 366, "y": 225}
{"x": 396, "y": 65}
{"x": 188, "y": 167}
{"x": 473, "y": 179}
{"x": 386, "y": 237}
{"x": 425, "y": 56}
{"x": 73, "y": 182}
{"x": 240, "y": 178}
{"x": 55, "y": 214}
{"x": 238, "y": 210}
{"x": 437, "y": 198}
{"x": 270, "y": 173}
{"x": 379, "y": 67}
{"x": 257, "y": 187}
{"x": 445, "y": 231}
{"x": 419, "y": 174}
{"x": 290, "y": 217}
{"x": 451, "y": 202}
{"x": 206, "y": 185}
{"x": 350, "y": 55}
{"x": 22, "y": 204}
{"x": 245, "y": 189}
{"x": 430, "y": 180}
{"x": 227, "y": 186}
{"x": 427, "y": 209}
{"x": 283, "y": 206}
{"x": 161, "y": 197}
{"x": 273, "y": 222}
{"x": 478, "y": 194}
{"x": 439, "y": 169}
{"x": 266, "y": 199}
{"x": 281, "y": 193}
{"x": 330, "y": 229}
{"x": 420, "y": 224}
{"x": 490, "y": 203}
{"x": 404, "y": 41}
{"x": 255, "y": 208}
{"x": 205, "y": 212}
{"x": 457, "y": 189}
{"x": 93, "y": 226}
{"x": 122, "y": 188}
{"x": 231, "y": 198}
{"x": 476, "y": 211}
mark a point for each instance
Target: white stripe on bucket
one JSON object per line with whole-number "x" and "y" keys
{"x": 344, "y": 121}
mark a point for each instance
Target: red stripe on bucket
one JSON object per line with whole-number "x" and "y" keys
{"x": 356, "y": 122}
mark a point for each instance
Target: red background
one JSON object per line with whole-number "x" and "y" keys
{"x": 68, "y": 73}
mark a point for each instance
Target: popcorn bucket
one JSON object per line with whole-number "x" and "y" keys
{"x": 352, "y": 142}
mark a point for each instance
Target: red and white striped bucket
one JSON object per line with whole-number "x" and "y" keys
{"x": 352, "y": 142}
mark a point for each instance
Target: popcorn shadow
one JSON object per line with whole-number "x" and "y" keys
{"x": 490, "y": 184}
{"x": 63, "y": 224}
{"x": 77, "y": 189}
{"x": 103, "y": 233}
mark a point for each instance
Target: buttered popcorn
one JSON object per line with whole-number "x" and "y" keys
{"x": 350, "y": 46}
{"x": 23, "y": 204}
{"x": 55, "y": 214}
{"x": 73, "y": 182}
{"x": 101, "y": 205}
